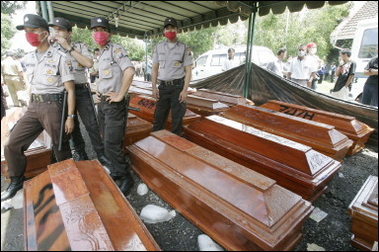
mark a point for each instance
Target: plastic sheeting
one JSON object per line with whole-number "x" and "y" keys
{"x": 264, "y": 86}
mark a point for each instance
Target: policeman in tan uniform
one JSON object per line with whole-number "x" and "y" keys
{"x": 174, "y": 64}
{"x": 81, "y": 60}
{"x": 49, "y": 74}
{"x": 115, "y": 77}
{"x": 13, "y": 76}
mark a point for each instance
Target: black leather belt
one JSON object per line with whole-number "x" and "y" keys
{"x": 172, "y": 82}
{"x": 46, "y": 97}
{"x": 81, "y": 86}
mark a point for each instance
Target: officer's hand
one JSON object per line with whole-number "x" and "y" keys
{"x": 155, "y": 93}
{"x": 183, "y": 96}
{"x": 113, "y": 97}
{"x": 69, "y": 125}
{"x": 63, "y": 42}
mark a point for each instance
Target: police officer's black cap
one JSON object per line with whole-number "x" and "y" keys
{"x": 99, "y": 21}
{"x": 170, "y": 21}
{"x": 33, "y": 21}
{"x": 61, "y": 22}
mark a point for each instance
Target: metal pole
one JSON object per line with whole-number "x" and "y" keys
{"x": 50, "y": 11}
{"x": 249, "y": 52}
{"x": 44, "y": 9}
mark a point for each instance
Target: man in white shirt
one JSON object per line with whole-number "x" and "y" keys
{"x": 301, "y": 69}
{"x": 277, "y": 66}
{"x": 230, "y": 62}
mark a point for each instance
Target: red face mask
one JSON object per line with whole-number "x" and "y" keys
{"x": 170, "y": 35}
{"x": 101, "y": 38}
{"x": 32, "y": 38}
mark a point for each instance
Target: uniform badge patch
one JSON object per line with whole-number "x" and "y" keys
{"x": 106, "y": 72}
{"x": 50, "y": 80}
{"x": 49, "y": 71}
{"x": 118, "y": 53}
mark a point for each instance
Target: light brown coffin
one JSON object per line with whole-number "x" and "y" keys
{"x": 321, "y": 137}
{"x": 239, "y": 208}
{"x": 228, "y": 99}
{"x": 136, "y": 129}
{"x": 147, "y": 105}
{"x": 76, "y": 206}
{"x": 294, "y": 166}
{"x": 38, "y": 155}
{"x": 364, "y": 215}
{"x": 357, "y": 131}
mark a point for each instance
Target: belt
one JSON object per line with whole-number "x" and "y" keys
{"x": 37, "y": 98}
{"x": 171, "y": 82}
{"x": 299, "y": 79}
{"x": 81, "y": 86}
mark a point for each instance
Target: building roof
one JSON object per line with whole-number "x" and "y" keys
{"x": 347, "y": 28}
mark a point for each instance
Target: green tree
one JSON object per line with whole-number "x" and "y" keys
{"x": 303, "y": 27}
{"x": 7, "y": 32}
{"x": 10, "y": 7}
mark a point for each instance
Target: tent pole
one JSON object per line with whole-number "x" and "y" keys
{"x": 44, "y": 10}
{"x": 249, "y": 51}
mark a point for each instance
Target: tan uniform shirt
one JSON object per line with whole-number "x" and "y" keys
{"x": 113, "y": 60}
{"x": 10, "y": 67}
{"x": 80, "y": 71}
{"x": 172, "y": 61}
{"x": 47, "y": 75}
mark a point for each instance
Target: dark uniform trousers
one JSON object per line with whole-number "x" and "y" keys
{"x": 112, "y": 119}
{"x": 38, "y": 117}
{"x": 169, "y": 99}
{"x": 87, "y": 114}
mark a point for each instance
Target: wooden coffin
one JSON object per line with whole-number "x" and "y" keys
{"x": 321, "y": 137}
{"x": 239, "y": 208}
{"x": 294, "y": 166}
{"x": 364, "y": 215}
{"x": 136, "y": 129}
{"x": 355, "y": 130}
{"x": 205, "y": 106}
{"x": 228, "y": 99}
{"x": 76, "y": 206}
{"x": 147, "y": 105}
{"x": 38, "y": 154}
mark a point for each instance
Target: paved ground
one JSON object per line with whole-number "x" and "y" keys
{"x": 332, "y": 233}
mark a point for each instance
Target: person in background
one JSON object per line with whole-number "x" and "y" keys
{"x": 81, "y": 60}
{"x": 370, "y": 89}
{"x": 172, "y": 71}
{"x": 49, "y": 73}
{"x": 277, "y": 66}
{"x": 345, "y": 75}
{"x": 116, "y": 73}
{"x": 316, "y": 61}
{"x": 332, "y": 72}
{"x": 13, "y": 76}
{"x": 231, "y": 61}
{"x": 301, "y": 70}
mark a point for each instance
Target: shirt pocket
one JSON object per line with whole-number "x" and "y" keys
{"x": 106, "y": 73}
{"x": 50, "y": 76}
{"x": 177, "y": 61}
{"x": 162, "y": 60}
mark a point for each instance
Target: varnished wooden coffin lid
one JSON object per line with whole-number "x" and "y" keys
{"x": 76, "y": 206}
{"x": 228, "y": 99}
{"x": 294, "y": 166}
{"x": 357, "y": 131}
{"x": 237, "y": 207}
{"x": 322, "y": 137}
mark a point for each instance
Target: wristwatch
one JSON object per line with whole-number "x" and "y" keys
{"x": 72, "y": 115}
{"x": 71, "y": 49}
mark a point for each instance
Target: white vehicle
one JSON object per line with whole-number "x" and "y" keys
{"x": 364, "y": 48}
{"x": 211, "y": 62}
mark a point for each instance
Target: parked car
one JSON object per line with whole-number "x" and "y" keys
{"x": 211, "y": 62}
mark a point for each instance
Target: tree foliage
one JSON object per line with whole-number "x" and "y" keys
{"x": 303, "y": 27}
{"x": 7, "y": 32}
{"x": 10, "y": 7}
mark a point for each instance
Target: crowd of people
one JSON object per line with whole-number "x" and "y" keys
{"x": 307, "y": 69}
{"x": 66, "y": 79}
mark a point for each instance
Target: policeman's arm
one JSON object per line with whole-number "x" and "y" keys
{"x": 183, "y": 94}
{"x": 83, "y": 60}
{"x": 70, "y": 88}
{"x": 154, "y": 78}
{"x": 127, "y": 78}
